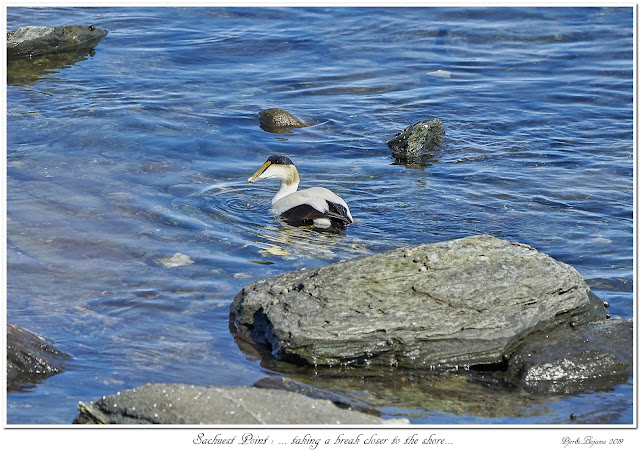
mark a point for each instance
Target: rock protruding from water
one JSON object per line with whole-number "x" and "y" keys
{"x": 277, "y": 120}
{"x": 33, "y": 41}
{"x": 454, "y": 303}
{"x": 593, "y": 356}
{"x": 30, "y": 358}
{"x": 415, "y": 143}
{"x": 183, "y": 404}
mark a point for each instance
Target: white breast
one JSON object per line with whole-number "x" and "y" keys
{"x": 316, "y": 197}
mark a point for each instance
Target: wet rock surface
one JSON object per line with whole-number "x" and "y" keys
{"x": 34, "y": 41}
{"x": 183, "y": 404}
{"x": 594, "y": 356}
{"x": 414, "y": 144}
{"x": 30, "y": 358}
{"x": 277, "y": 120}
{"x": 434, "y": 306}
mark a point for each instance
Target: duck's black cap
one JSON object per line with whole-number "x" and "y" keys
{"x": 279, "y": 159}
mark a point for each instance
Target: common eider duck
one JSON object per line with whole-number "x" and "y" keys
{"x": 312, "y": 206}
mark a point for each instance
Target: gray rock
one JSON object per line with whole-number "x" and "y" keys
{"x": 33, "y": 41}
{"x": 455, "y": 303}
{"x": 415, "y": 143}
{"x": 276, "y": 120}
{"x": 595, "y": 356}
{"x": 182, "y": 404}
{"x": 30, "y": 358}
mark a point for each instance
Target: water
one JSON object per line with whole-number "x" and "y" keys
{"x": 142, "y": 151}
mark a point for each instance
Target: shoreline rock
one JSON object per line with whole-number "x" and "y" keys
{"x": 30, "y": 358}
{"x": 33, "y": 40}
{"x": 593, "y": 356}
{"x": 183, "y": 404}
{"x": 462, "y": 302}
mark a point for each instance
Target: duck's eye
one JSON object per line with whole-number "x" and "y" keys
{"x": 92, "y": 28}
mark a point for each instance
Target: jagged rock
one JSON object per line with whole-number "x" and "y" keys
{"x": 455, "y": 303}
{"x": 593, "y": 356}
{"x": 182, "y": 404}
{"x": 276, "y": 120}
{"x": 30, "y": 358}
{"x": 414, "y": 144}
{"x": 33, "y": 41}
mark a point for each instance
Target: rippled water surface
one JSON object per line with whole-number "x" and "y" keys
{"x": 122, "y": 159}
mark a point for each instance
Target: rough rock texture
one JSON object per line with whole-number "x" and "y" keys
{"x": 32, "y": 41}
{"x": 30, "y": 358}
{"x": 454, "y": 303}
{"x": 182, "y": 404}
{"x": 593, "y": 356}
{"x": 413, "y": 143}
{"x": 276, "y": 120}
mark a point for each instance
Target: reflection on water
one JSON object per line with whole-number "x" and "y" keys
{"x": 27, "y": 71}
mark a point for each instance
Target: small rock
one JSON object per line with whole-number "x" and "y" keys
{"x": 416, "y": 142}
{"x": 31, "y": 41}
{"x": 175, "y": 260}
{"x": 277, "y": 120}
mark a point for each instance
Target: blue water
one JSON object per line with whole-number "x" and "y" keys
{"x": 142, "y": 150}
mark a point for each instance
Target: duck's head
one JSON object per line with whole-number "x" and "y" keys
{"x": 279, "y": 167}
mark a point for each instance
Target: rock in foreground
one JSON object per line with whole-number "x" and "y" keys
{"x": 182, "y": 404}
{"x": 414, "y": 143}
{"x": 33, "y": 41}
{"x": 441, "y": 305}
{"x": 30, "y": 358}
{"x": 277, "y": 120}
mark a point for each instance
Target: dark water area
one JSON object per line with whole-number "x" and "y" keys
{"x": 141, "y": 150}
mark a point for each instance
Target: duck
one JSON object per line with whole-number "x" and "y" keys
{"x": 317, "y": 206}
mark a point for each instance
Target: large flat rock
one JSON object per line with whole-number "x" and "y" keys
{"x": 441, "y": 305}
{"x": 184, "y": 404}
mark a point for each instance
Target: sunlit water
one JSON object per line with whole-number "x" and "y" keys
{"x": 142, "y": 151}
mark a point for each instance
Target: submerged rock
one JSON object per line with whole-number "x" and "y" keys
{"x": 33, "y": 41}
{"x": 175, "y": 260}
{"x": 595, "y": 356}
{"x": 30, "y": 358}
{"x": 276, "y": 120}
{"x": 182, "y": 404}
{"x": 456, "y": 303}
{"x": 416, "y": 142}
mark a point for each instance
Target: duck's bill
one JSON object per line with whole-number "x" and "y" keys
{"x": 259, "y": 172}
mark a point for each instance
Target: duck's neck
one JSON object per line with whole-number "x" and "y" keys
{"x": 288, "y": 184}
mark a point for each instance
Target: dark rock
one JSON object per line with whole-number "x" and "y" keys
{"x": 33, "y": 41}
{"x": 276, "y": 120}
{"x": 30, "y": 358}
{"x": 416, "y": 142}
{"x": 594, "y": 356}
{"x": 477, "y": 299}
{"x": 182, "y": 404}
